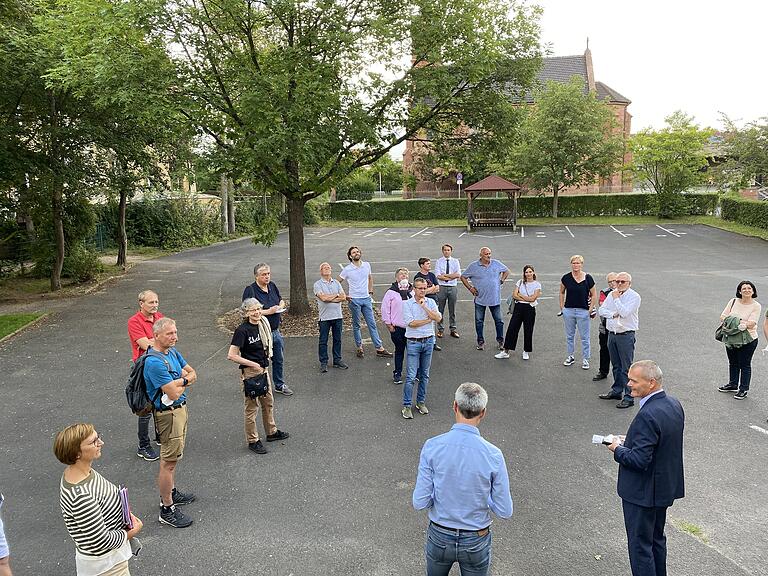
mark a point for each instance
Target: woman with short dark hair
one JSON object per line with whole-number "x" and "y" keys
{"x": 747, "y": 309}
{"x": 526, "y": 298}
{"x": 91, "y": 506}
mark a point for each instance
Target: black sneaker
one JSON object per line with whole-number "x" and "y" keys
{"x": 148, "y": 453}
{"x": 323, "y": 368}
{"x": 279, "y": 435}
{"x": 340, "y": 364}
{"x": 181, "y": 498}
{"x": 740, "y": 395}
{"x": 257, "y": 447}
{"x": 728, "y": 388}
{"x": 172, "y": 516}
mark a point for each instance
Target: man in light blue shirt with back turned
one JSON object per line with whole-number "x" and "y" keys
{"x": 462, "y": 479}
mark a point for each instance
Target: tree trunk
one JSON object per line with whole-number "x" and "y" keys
{"x": 122, "y": 248}
{"x": 554, "y": 201}
{"x": 58, "y": 230}
{"x": 223, "y": 203}
{"x": 299, "y": 300}
{"x": 231, "y": 207}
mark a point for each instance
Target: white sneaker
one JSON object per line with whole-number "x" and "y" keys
{"x": 585, "y": 364}
{"x": 501, "y": 355}
{"x": 525, "y": 356}
{"x": 569, "y": 360}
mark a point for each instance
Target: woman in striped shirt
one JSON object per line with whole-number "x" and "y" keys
{"x": 91, "y": 506}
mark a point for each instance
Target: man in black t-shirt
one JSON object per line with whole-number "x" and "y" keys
{"x": 425, "y": 265}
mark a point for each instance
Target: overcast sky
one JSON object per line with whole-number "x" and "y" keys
{"x": 702, "y": 57}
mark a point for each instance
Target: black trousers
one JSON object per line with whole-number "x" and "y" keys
{"x": 605, "y": 357}
{"x": 522, "y": 315}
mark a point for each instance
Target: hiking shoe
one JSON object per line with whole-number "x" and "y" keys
{"x": 181, "y": 498}
{"x": 360, "y": 352}
{"x": 740, "y": 395}
{"x": 384, "y": 353}
{"x": 340, "y": 364}
{"x": 406, "y": 412}
{"x": 501, "y": 355}
{"x": 585, "y": 364}
{"x": 174, "y": 517}
{"x": 323, "y": 368}
{"x": 526, "y": 356}
{"x": 727, "y": 388}
{"x": 285, "y": 391}
{"x": 481, "y": 345}
{"x": 148, "y": 453}
{"x": 569, "y": 361}
{"x": 278, "y": 435}
{"x": 257, "y": 447}
{"x": 422, "y": 408}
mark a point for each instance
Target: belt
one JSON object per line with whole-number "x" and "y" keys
{"x": 482, "y": 532}
{"x": 421, "y": 339}
{"x": 621, "y": 333}
{"x": 168, "y": 408}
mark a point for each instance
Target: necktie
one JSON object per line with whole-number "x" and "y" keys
{"x": 447, "y": 266}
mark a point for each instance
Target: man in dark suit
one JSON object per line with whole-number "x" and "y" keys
{"x": 650, "y": 461}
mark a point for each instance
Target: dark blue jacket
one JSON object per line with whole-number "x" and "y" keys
{"x": 651, "y": 458}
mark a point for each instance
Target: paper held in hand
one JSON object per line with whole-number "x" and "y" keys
{"x": 126, "y": 508}
{"x": 607, "y": 440}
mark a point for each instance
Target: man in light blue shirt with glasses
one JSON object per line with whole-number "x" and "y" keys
{"x": 462, "y": 479}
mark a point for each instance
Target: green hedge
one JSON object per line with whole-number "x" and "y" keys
{"x": 747, "y": 212}
{"x": 528, "y": 207}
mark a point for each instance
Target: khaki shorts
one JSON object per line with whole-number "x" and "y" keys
{"x": 171, "y": 426}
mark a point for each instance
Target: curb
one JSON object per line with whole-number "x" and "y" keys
{"x": 31, "y": 324}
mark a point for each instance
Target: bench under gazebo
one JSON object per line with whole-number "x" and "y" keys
{"x": 502, "y": 218}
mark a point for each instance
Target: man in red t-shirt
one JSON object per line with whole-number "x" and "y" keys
{"x": 141, "y": 337}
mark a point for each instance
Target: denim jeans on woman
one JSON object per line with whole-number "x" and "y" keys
{"x": 363, "y": 306}
{"x": 573, "y": 318}
{"x": 740, "y": 365}
{"x": 445, "y": 547}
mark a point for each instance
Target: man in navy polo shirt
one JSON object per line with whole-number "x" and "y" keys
{"x": 266, "y": 292}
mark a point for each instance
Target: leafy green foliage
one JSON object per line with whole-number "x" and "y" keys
{"x": 746, "y": 153}
{"x": 568, "y": 138}
{"x": 747, "y": 212}
{"x": 670, "y": 161}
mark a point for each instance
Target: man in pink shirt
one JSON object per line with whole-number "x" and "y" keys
{"x": 392, "y": 316}
{"x": 141, "y": 336}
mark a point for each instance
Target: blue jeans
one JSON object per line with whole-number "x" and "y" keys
{"x": 446, "y": 547}
{"x": 419, "y": 360}
{"x": 327, "y": 326}
{"x": 398, "y": 339}
{"x": 364, "y": 306}
{"x": 277, "y": 359}
{"x": 577, "y": 317}
{"x": 621, "y": 347}
{"x": 480, "y": 320}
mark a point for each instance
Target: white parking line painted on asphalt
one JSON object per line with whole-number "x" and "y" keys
{"x": 334, "y": 232}
{"x": 668, "y": 231}
{"x": 462, "y": 234}
{"x": 374, "y": 232}
{"x": 759, "y": 429}
{"x": 618, "y": 231}
{"x": 522, "y": 232}
{"x": 569, "y": 232}
{"x": 419, "y": 232}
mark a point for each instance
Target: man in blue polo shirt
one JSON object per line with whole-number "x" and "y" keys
{"x": 266, "y": 292}
{"x": 484, "y": 278}
{"x": 462, "y": 479}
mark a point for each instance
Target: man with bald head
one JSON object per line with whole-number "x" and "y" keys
{"x": 330, "y": 295}
{"x": 620, "y": 311}
{"x": 484, "y": 278}
{"x": 141, "y": 337}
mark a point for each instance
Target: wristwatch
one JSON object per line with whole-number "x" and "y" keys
{"x": 184, "y": 382}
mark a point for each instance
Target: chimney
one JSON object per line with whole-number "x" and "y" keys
{"x": 590, "y": 70}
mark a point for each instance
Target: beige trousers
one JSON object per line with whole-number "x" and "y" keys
{"x": 118, "y": 570}
{"x": 266, "y": 403}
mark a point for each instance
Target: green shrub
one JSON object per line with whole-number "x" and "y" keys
{"x": 747, "y": 212}
{"x": 528, "y": 207}
{"x": 81, "y": 264}
{"x": 359, "y": 185}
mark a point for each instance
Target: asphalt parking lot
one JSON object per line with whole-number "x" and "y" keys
{"x": 335, "y": 498}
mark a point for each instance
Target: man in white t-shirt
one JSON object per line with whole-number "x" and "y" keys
{"x": 358, "y": 276}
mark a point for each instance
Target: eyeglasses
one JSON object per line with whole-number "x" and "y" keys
{"x": 621, "y": 281}
{"x": 96, "y": 440}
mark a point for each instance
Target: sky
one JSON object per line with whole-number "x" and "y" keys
{"x": 701, "y": 57}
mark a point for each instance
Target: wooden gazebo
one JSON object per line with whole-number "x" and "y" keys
{"x": 492, "y": 183}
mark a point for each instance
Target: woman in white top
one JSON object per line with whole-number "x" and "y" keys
{"x": 740, "y": 359}
{"x": 526, "y": 297}
{"x": 91, "y": 506}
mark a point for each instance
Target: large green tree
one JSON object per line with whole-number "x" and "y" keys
{"x": 568, "y": 138}
{"x": 300, "y": 93}
{"x": 671, "y": 160}
{"x": 746, "y": 154}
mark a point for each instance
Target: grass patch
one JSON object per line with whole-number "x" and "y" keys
{"x": 580, "y": 221}
{"x": 742, "y": 229}
{"x": 689, "y": 528}
{"x": 9, "y": 323}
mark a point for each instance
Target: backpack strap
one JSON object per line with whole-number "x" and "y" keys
{"x": 167, "y": 365}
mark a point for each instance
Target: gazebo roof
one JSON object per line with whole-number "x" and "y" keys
{"x": 492, "y": 183}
